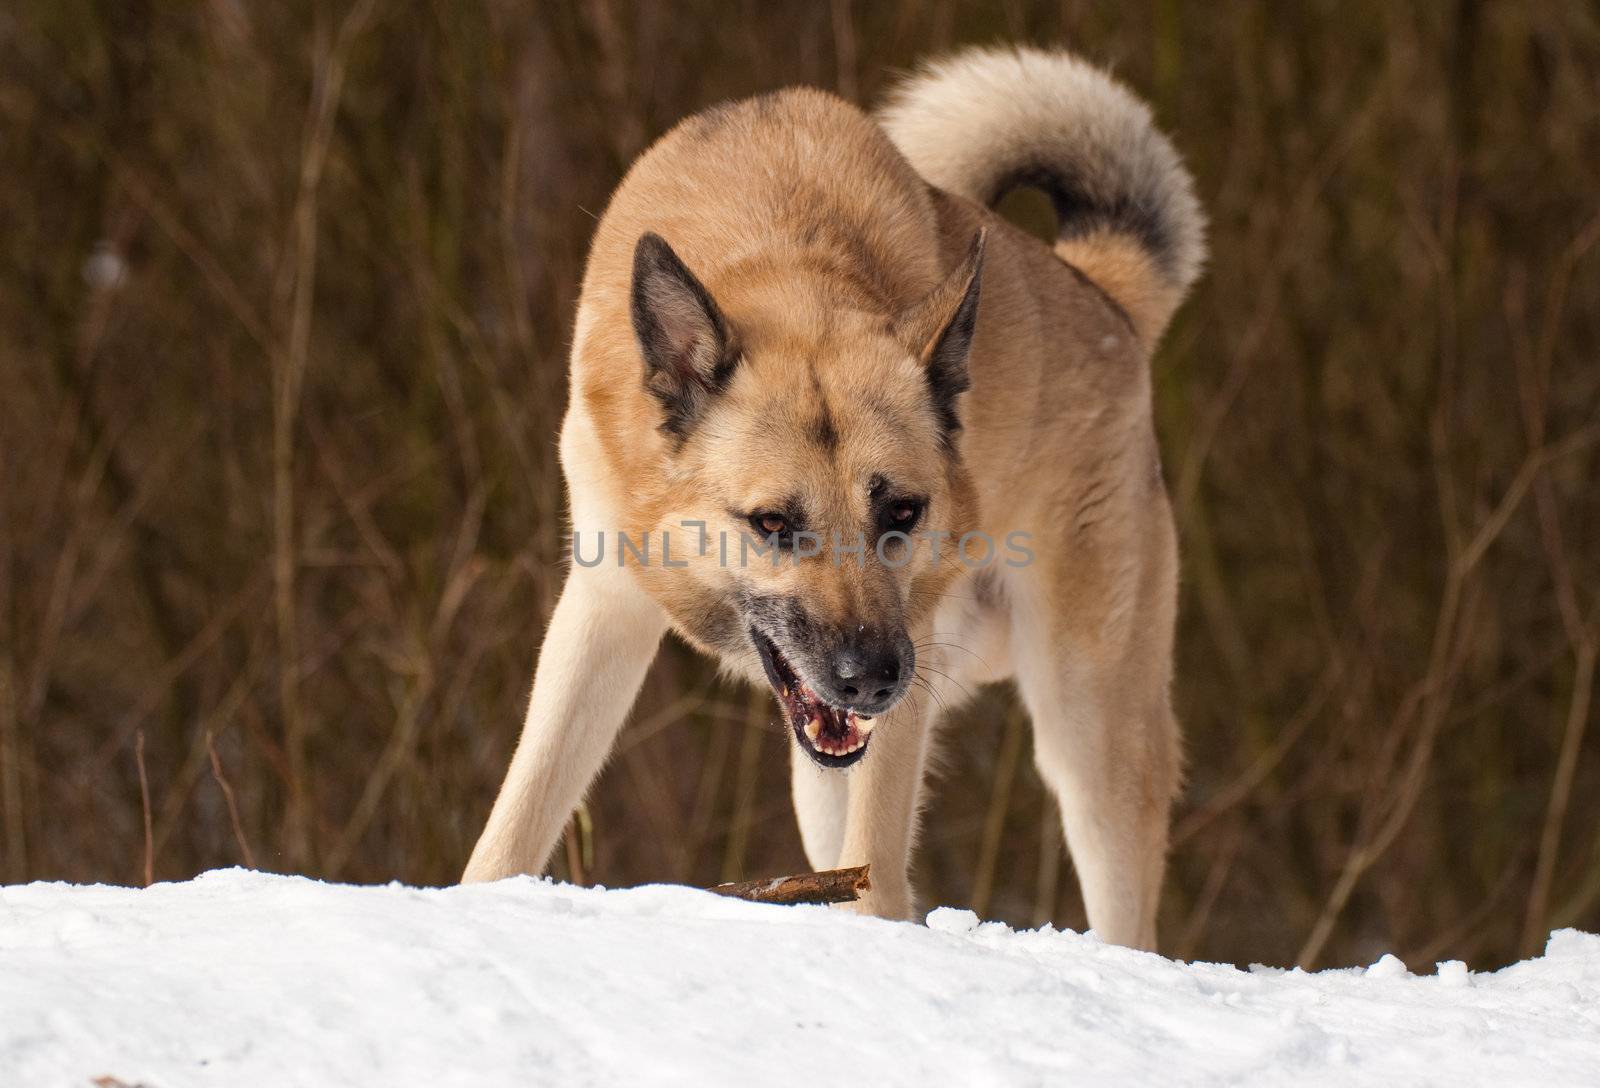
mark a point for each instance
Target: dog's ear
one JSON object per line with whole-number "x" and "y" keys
{"x": 939, "y": 330}
{"x": 688, "y": 352}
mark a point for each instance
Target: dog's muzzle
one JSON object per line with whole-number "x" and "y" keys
{"x": 833, "y": 736}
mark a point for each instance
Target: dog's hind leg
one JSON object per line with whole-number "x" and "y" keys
{"x": 1111, "y": 770}
{"x": 600, "y": 643}
{"x": 1093, "y": 665}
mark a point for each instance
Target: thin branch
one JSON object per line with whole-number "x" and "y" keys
{"x": 144, "y": 802}
{"x": 294, "y": 294}
{"x": 829, "y": 886}
{"x": 994, "y": 823}
{"x": 232, "y": 802}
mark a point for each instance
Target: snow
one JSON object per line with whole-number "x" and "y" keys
{"x": 241, "y": 978}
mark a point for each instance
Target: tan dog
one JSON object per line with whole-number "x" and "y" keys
{"x": 802, "y": 328}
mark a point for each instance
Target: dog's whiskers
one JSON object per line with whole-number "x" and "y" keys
{"x": 919, "y": 681}
{"x": 947, "y": 679}
{"x": 954, "y": 646}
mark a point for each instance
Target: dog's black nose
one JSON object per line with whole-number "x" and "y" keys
{"x": 866, "y": 674}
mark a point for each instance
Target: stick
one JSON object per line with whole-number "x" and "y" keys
{"x": 833, "y": 886}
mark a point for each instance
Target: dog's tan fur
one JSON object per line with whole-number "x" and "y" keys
{"x": 838, "y": 268}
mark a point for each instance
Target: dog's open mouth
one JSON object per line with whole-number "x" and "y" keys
{"x": 832, "y": 736}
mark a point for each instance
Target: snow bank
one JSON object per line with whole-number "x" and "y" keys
{"x": 241, "y": 978}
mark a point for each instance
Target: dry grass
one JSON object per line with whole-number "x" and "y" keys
{"x": 284, "y": 293}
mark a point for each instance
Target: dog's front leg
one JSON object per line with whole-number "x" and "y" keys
{"x": 821, "y": 803}
{"x": 885, "y": 794}
{"x": 600, "y": 643}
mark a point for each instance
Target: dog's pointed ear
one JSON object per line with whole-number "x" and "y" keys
{"x": 688, "y": 351}
{"x": 939, "y": 330}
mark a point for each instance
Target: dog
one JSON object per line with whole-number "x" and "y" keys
{"x": 816, "y": 371}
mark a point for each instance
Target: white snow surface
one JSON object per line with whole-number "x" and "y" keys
{"x": 241, "y": 978}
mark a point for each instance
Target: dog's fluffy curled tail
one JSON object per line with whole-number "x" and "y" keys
{"x": 983, "y": 122}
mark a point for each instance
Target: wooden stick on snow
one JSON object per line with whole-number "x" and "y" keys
{"x": 832, "y": 886}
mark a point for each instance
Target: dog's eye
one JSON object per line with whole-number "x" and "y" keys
{"x": 900, "y": 515}
{"x": 767, "y": 524}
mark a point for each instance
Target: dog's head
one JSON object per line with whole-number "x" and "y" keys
{"x": 818, "y": 445}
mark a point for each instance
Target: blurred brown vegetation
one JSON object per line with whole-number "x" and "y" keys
{"x": 284, "y": 296}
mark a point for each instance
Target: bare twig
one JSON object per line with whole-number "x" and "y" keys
{"x": 408, "y": 723}
{"x": 295, "y": 291}
{"x": 1534, "y": 381}
{"x": 1429, "y": 697}
{"x": 1216, "y": 880}
{"x": 1427, "y": 700}
{"x": 1247, "y": 782}
{"x": 211, "y": 269}
{"x": 1047, "y": 881}
{"x": 760, "y": 708}
{"x": 227, "y": 795}
{"x": 830, "y": 886}
{"x": 213, "y": 632}
{"x": 994, "y": 823}
{"x": 572, "y": 841}
{"x": 1253, "y": 339}
{"x": 144, "y": 801}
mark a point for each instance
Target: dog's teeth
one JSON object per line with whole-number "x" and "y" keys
{"x": 864, "y": 726}
{"x": 813, "y": 728}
